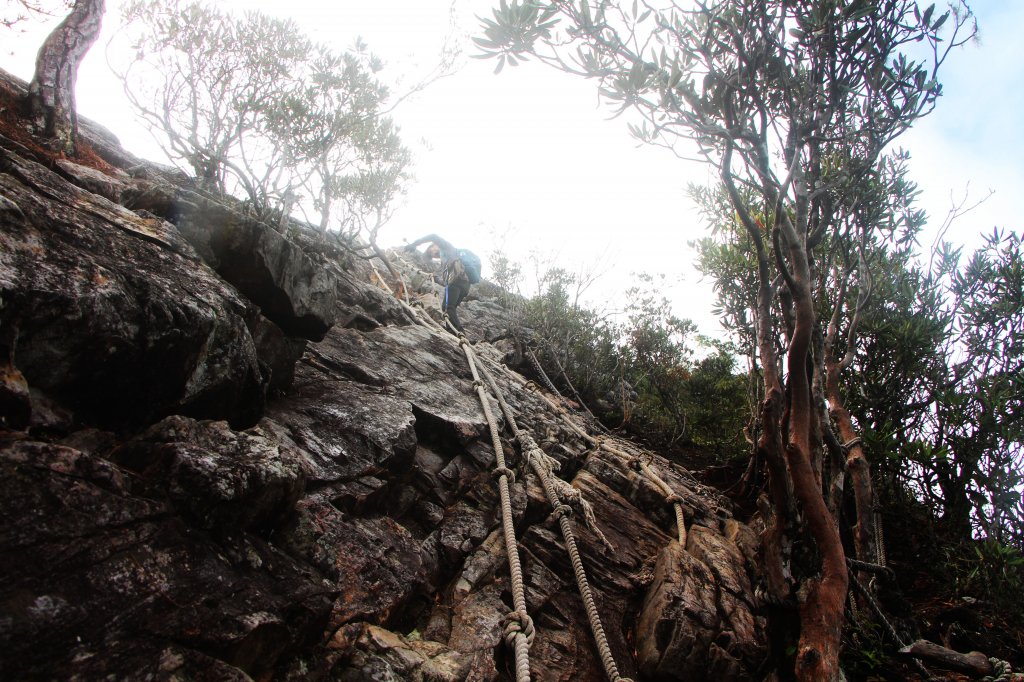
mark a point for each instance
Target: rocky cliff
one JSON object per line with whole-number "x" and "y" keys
{"x": 231, "y": 453}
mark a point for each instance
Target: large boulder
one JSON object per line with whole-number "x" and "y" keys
{"x": 219, "y": 479}
{"x": 112, "y": 314}
{"x": 102, "y": 580}
{"x": 291, "y": 289}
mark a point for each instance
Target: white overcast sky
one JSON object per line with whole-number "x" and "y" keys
{"x": 530, "y": 154}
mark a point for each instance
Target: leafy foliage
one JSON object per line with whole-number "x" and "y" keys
{"x": 940, "y": 388}
{"x": 650, "y": 374}
{"x": 795, "y": 104}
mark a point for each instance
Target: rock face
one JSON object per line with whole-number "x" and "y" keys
{"x": 226, "y": 455}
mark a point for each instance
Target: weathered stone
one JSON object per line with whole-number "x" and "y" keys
{"x": 92, "y": 568}
{"x": 93, "y": 180}
{"x": 426, "y": 368}
{"x": 690, "y": 628}
{"x": 377, "y": 654}
{"x": 277, "y": 353}
{"x": 343, "y": 429}
{"x": 722, "y": 557}
{"x": 15, "y": 401}
{"x": 463, "y": 528}
{"x": 190, "y": 549}
{"x": 113, "y": 317}
{"x": 374, "y": 562}
{"x": 218, "y": 478}
{"x": 272, "y": 271}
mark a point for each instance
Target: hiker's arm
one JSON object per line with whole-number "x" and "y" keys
{"x": 446, "y": 247}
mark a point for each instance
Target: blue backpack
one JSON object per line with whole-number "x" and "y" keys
{"x": 471, "y": 262}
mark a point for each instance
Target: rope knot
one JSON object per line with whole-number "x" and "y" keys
{"x": 517, "y": 622}
{"x": 635, "y": 464}
{"x": 498, "y": 472}
{"x": 562, "y": 510}
{"x": 674, "y": 499}
{"x": 478, "y": 384}
{"x": 532, "y": 385}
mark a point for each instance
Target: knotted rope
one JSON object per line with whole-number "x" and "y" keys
{"x": 541, "y": 373}
{"x": 542, "y": 466}
{"x": 519, "y": 630}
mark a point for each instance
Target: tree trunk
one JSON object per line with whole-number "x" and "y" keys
{"x": 822, "y": 603}
{"x": 858, "y": 468}
{"x": 51, "y": 94}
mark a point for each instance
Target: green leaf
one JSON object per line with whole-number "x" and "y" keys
{"x": 926, "y": 18}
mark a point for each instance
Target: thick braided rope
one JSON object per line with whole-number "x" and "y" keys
{"x": 537, "y": 458}
{"x": 519, "y": 632}
{"x": 540, "y": 371}
{"x": 537, "y": 463}
{"x": 886, "y": 625}
{"x": 1001, "y": 671}
{"x": 879, "y": 540}
{"x": 670, "y": 495}
{"x": 579, "y": 398}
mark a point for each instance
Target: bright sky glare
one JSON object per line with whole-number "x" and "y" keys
{"x": 529, "y": 160}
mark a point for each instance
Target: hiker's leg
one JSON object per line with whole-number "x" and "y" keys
{"x": 456, "y": 293}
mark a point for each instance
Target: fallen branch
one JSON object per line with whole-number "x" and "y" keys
{"x": 975, "y": 663}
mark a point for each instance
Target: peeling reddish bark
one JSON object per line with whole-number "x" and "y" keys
{"x": 822, "y": 603}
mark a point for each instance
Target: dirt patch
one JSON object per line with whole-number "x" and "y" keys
{"x": 15, "y": 127}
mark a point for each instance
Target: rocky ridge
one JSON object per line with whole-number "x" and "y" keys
{"x": 229, "y": 452}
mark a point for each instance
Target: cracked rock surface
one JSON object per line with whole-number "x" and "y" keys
{"x": 211, "y": 468}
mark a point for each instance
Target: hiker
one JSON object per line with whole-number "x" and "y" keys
{"x": 461, "y": 268}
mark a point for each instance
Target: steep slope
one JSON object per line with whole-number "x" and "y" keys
{"x": 228, "y": 453}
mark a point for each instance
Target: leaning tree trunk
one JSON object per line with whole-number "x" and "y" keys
{"x": 821, "y": 608}
{"x": 822, "y": 598}
{"x": 51, "y": 95}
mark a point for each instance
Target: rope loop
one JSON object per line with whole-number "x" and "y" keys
{"x": 478, "y": 384}
{"x": 517, "y": 622}
{"x": 849, "y": 445}
{"x": 1001, "y": 671}
{"x": 532, "y": 385}
{"x": 562, "y": 510}
{"x": 674, "y": 499}
{"x": 498, "y": 472}
{"x": 635, "y": 464}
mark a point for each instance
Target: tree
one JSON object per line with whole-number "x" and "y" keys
{"x": 250, "y": 102}
{"x": 50, "y": 103}
{"x": 794, "y": 102}
{"x": 939, "y": 400}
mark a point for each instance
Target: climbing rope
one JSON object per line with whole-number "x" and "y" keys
{"x": 519, "y": 630}
{"x": 568, "y": 382}
{"x": 600, "y": 441}
{"x": 879, "y": 540}
{"x": 886, "y": 625}
{"x": 670, "y": 496}
{"x": 541, "y": 465}
{"x": 541, "y": 373}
